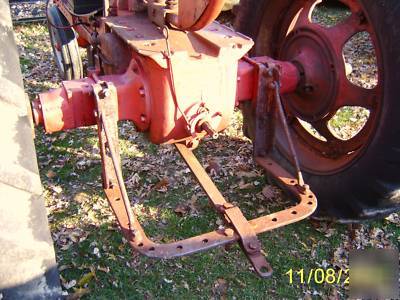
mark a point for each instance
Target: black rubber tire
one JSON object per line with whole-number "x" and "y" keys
{"x": 370, "y": 187}
{"x": 67, "y": 58}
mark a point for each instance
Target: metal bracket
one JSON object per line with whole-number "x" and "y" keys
{"x": 248, "y": 237}
{"x": 265, "y": 112}
{"x": 269, "y": 108}
{"x": 237, "y": 229}
{"x": 107, "y": 110}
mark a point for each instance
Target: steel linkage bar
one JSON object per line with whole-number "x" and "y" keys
{"x": 248, "y": 237}
{"x": 237, "y": 228}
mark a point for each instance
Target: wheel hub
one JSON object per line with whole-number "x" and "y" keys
{"x": 325, "y": 88}
{"x": 314, "y": 56}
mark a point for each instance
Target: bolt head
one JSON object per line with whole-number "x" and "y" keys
{"x": 309, "y": 89}
{"x": 254, "y": 246}
{"x": 228, "y": 232}
{"x": 228, "y": 205}
{"x": 104, "y": 93}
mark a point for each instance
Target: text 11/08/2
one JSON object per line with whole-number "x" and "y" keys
{"x": 318, "y": 276}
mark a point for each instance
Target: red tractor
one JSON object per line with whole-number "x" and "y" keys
{"x": 178, "y": 75}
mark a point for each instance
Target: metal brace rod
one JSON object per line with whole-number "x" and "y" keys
{"x": 248, "y": 237}
{"x": 276, "y": 87}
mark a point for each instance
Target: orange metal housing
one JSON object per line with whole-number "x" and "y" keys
{"x": 169, "y": 83}
{"x": 145, "y": 97}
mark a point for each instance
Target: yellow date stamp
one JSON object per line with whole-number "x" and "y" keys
{"x": 318, "y": 276}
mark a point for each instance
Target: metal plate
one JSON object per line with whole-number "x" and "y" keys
{"x": 147, "y": 39}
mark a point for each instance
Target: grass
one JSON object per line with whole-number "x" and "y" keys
{"x": 96, "y": 263}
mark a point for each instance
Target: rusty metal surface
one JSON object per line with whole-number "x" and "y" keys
{"x": 172, "y": 100}
{"x": 141, "y": 243}
{"x": 274, "y": 88}
{"x": 248, "y": 238}
{"x": 194, "y": 15}
{"x": 147, "y": 39}
{"x": 107, "y": 109}
{"x": 324, "y": 88}
{"x": 178, "y": 86}
{"x": 248, "y": 85}
{"x": 307, "y": 199}
{"x": 237, "y": 229}
{"x": 265, "y": 113}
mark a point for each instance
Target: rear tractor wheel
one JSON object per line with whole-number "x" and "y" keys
{"x": 65, "y": 45}
{"x": 346, "y": 130}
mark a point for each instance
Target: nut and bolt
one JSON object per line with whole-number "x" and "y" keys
{"x": 104, "y": 93}
{"x": 254, "y": 246}
{"x": 211, "y": 131}
{"x": 308, "y": 88}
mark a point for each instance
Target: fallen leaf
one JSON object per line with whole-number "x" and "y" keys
{"x": 182, "y": 209}
{"x": 57, "y": 189}
{"x": 220, "y": 288}
{"x": 96, "y": 252}
{"x": 245, "y": 186}
{"x": 394, "y": 218}
{"x": 78, "y": 293}
{"x": 213, "y": 168}
{"x": 51, "y": 174}
{"x": 168, "y": 281}
{"x": 81, "y": 197}
{"x": 185, "y": 285}
{"x": 70, "y": 284}
{"x": 244, "y": 174}
{"x": 334, "y": 295}
{"x": 85, "y": 279}
{"x": 162, "y": 185}
{"x": 307, "y": 297}
{"x": 268, "y": 192}
{"x": 63, "y": 267}
{"x": 104, "y": 269}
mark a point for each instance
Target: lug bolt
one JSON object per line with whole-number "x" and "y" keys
{"x": 254, "y": 246}
{"x": 308, "y": 89}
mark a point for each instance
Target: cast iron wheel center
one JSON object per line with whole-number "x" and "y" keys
{"x": 317, "y": 92}
{"x": 325, "y": 89}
